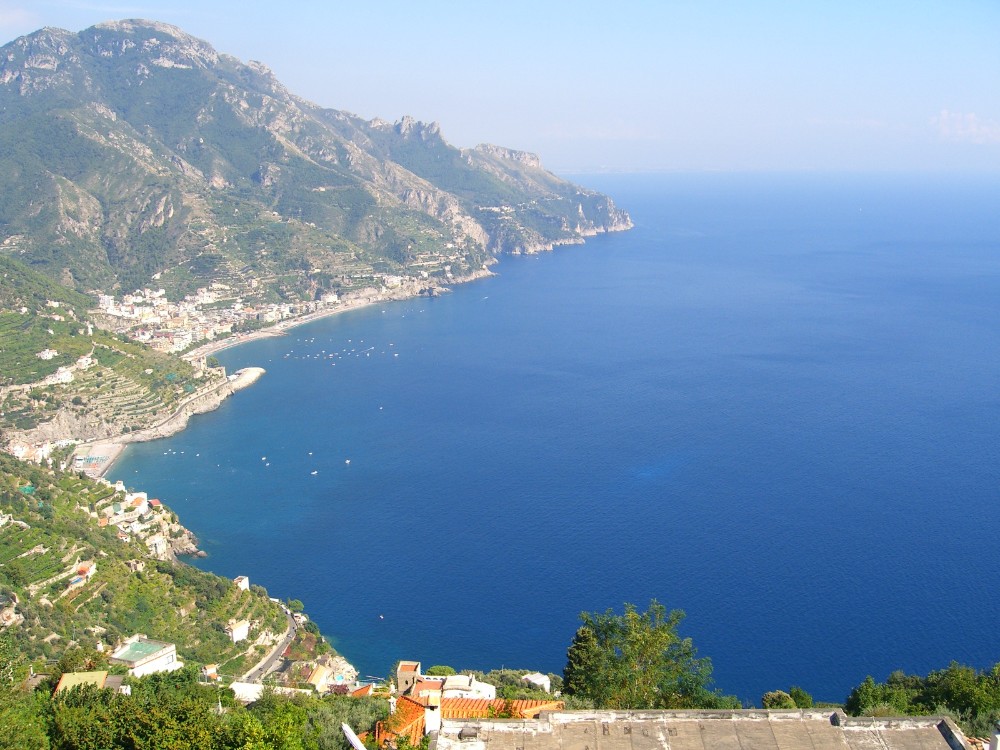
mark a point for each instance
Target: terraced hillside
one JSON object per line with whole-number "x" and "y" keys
{"x": 62, "y": 377}
{"x": 50, "y": 533}
{"x": 107, "y": 387}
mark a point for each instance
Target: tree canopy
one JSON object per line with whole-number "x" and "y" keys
{"x": 637, "y": 660}
{"x": 969, "y": 695}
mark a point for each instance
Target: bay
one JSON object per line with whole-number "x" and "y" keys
{"x": 774, "y": 404}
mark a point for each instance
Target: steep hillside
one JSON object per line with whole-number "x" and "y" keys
{"x": 50, "y": 529}
{"x": 133, "y": 151}
{"x": 63, "y": 377}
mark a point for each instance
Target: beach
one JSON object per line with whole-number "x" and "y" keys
{"x": 407, "y": 291}
{"x": 97, "y": 458}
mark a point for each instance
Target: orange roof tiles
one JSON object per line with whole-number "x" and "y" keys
{"x": 431, "y": 685}
{"x": 407, "y": 721}
{"x": 480, "y": 708}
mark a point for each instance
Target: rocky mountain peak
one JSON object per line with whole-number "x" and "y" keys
{"x": 158, "y": 43}
{"x": 140, "y": 131}
{"x": 410, "y": 127}
{"x": 508, "y": 154}
{"x": 36, "y": 61}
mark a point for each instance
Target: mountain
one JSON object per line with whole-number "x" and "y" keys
{"x": 132, "y": 151}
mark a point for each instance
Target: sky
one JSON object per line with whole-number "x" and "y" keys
{"x": 626, "y": 85}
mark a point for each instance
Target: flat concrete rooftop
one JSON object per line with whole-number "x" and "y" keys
{"x": 700, "y": 730}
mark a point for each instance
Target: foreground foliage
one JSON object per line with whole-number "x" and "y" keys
{"x": 174, "y": 711}
{"x": 637, "y": 660}
{"x": 970, "y": 696}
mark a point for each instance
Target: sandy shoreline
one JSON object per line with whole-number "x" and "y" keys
{"x": 96, "y": 459}
{"x": 281, "y": 328}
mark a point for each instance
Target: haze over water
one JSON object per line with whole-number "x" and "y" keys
{"x": 774, "y": 404}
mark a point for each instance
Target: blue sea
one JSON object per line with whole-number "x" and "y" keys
{"x": 774, "y": 404}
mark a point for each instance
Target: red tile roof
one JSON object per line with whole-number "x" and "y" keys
{"x": 480, "y": 708}
{"x": 407, "y": 721}
{"x": 431, "y": 685}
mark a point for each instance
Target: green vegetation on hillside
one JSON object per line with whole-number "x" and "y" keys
{"x": 51, "y": 528}
{"x": 970, "y": 696}
{"x": 174, "y": 711}
{"x": 22, "y": 287}
{"x": 143, "y": 153}
{"x": 120, "y": 386}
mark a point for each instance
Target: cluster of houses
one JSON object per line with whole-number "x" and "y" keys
{"x": 423, "y": 701}
{"x": 137, "y": 515}
{"x": 328, "y": 673}
{"x": 458, "y": 713}
{"x": 149, "y": 317}
{"x": 36, "y": 453}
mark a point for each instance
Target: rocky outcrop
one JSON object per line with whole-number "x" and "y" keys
{"x": 169, "y": 151}
{"x": 198, "y": 403}
{"x": 521, "y": 157}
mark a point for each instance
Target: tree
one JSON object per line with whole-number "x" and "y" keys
{"x": 777, "y": 699}
{"x": 637, "y": 660}
{"x": 582, "y": 662}
{"x": 21, "y": 716}
{"x": 440, "y": 670}
{"x": 801, "y": 697}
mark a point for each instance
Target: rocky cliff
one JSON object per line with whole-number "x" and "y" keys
{"x": 132, "y": 152}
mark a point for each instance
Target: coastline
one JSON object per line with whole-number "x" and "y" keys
{"x": 106, "y": 451}
{"x": 100, "y": 455}
{"x": 347, "y": 305}
{"x": 96, "y": 458}
{"x": 114, "y": 448}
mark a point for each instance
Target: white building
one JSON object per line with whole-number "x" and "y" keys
{"x": 238, "y": 630}
{"x": 539, "y": 680}
{"x": 144, "y": 656}
{"x": 467, "y": 686}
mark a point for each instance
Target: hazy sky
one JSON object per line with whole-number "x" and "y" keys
{"x": 628, "y": 85}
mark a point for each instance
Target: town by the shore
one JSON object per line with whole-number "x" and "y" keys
{"x": 97, "y": 458}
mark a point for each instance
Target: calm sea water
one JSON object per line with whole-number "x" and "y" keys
{"x": 774, "y": 404}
